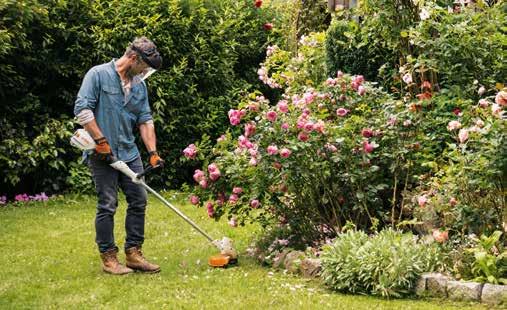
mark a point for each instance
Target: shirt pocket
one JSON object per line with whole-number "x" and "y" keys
{"x": 113, "y": 94}
{"x": 136, "y": 103}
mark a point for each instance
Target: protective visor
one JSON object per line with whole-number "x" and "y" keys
{"x": 146, "y": 73}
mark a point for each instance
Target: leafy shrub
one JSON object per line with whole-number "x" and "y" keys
{"x": 386, "y": 264}
{"x": 490, "y": 264}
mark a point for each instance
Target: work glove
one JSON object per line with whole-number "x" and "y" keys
{"x": 102, "y": 149}
{"x": 155, "y": 160}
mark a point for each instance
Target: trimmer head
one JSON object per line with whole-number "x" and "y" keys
{"x": 228, "y": 255}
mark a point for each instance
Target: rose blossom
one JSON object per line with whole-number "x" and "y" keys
{"x": 366, "y": 132}
{"x": 198, "y": 175}
{"x": 190, "y": 151}
{"x": 233, "y": 222}
{"x": 361, "y": 90}
{"x": 342, "y": 112}
{"x": 422, "y": 200}
{"x": 210, "y": 208}
{"x": 285, "y": 126}
{"x": 303, "y": 136}
{"x": 440, "y": 236}
{"x": 501, "y": 98}
{"x": 254, "y": 203}
{"x": 285, "y": 153}
{"x": 271, "y": 116}
{"x": 463, "y": 135}
{"x": 483, "y": 103}
{"x": 283, "y": 106}
{"x": 453, "y": 125}
{"x": 481, "y": 90}
{"x": 368, "y": 147}
{"x": 272, "y": 150}
{"x": 237, "y": 190}
{"x": 194, "y": 199}
{"x": 250, "y": 129}
{"x": 453, "y": 201}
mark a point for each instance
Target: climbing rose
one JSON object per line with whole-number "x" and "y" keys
{"x": 285, "y": 126}
{"x": 203, "y": 183}
{"x": 282, "y": 106}
{"x": 342, "y": 112}
{"x": 210, "y": 208}
{"x": 440, "y": 236}
{"x": 254, "y": 203}
{"x": 366, "y": 132}
{"x": 190, "y": 151}
{"x": 272, "y": 150}
{"x": 463, "y": 135}
{"x": 368, "y": 147}
{"x": 453, "y": 125}
{"x": 237, "y": 190}
{"x": 194, "y": 199}
{"x": 198, "y": 175}
{"x": 285, "y": 152}
{"x": 361, "y": 90}
{"x": 483, "y": 103}
{"x": 422, "y": 200}
{"x": 249, "y": 129}
{"x": 303, "y": 136}
{"x": 501, "y": 98}
{"x": 271, "y": 116}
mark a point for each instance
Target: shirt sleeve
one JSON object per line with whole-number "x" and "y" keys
{"x": 88, "y": 94}
{"x": 145, "y": 113}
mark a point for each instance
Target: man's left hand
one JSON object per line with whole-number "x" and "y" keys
{"x": 155, "y": 160}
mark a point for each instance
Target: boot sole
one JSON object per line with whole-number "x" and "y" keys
{"x": 118, "y": 274}
{"x": 145, "y": 271}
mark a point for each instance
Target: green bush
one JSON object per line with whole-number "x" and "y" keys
{"x": 386, "y": 264}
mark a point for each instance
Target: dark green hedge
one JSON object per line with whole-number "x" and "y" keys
{"x": 211, "y": 50}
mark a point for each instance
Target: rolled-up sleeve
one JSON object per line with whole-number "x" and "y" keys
{"x": 88, "y": 94}
{"x": 145, "y": 113}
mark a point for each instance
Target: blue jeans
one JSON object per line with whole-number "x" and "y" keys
{"x": 107, "y": 180}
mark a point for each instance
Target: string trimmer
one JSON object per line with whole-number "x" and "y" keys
{"x": 228, "y": 255}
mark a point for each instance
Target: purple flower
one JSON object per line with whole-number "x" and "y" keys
{"x": 21, "y": 197}
{"x": 3, "y": 200}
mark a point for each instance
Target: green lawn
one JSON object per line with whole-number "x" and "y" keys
{"x": 49, "y": 260}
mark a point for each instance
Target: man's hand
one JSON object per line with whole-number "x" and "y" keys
{"x": 102, "y": 149}
{"x": 155, "y": 160}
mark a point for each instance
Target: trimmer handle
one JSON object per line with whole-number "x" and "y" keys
{"x": 149, "y": 169}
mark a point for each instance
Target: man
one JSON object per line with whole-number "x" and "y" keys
{"x": 111, "y": 103}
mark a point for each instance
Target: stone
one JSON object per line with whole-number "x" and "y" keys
{"x": 293, "y": 260}
{"x": 436, "y": 284}
{"x": 278, "y": 261}
{"x": 464, "y": 291}
{"x": 494, "y": 294}
{"x": 310, "y": 267}
{"x": 420, "y": 286}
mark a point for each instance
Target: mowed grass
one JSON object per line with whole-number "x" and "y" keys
{"x": 49, "y": 260}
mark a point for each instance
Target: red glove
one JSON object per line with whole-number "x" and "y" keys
{"x": 102, "y": 149}
{"x": 155, "y": 160}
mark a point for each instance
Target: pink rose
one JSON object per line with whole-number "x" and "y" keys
{"x": 501, "y": 98}
{"x": 368, "y": 147}
{"x": 283, "y": 106}
{"x": 250, "y": 129}
{"x": 190, "y": 151}
{"x": 453, "y": 125}
{"x": 422, "y": 200}
{"x": 367, "y": 132}
{"x": 440, "y": 236}
{"x": 212, "y": 167}
{"x": 254, "y": 203}
{"x": 271, "y": 116}
{"x": 233, "y": 222}
{"x": 309, "y": 97}
{"x": 233, "y": 198}
{"x": 483, "y": 103}
{"x": 319, "y": 126}
{"x": 194, "y": 199}
{"x": 463, "y": 135}
{"x": 496, "y": 109}
{"x": 361, "y": 90}
{"x": 272, "y": 150}
{"x": 285, "y": 126}
{"x": 285, "y": 153}
{"x": 253, "y": 161}
{"x": 339, "y": 74}
{"x": 203, "y": 183}
{"x": 210, "y": 209}
{"x": 198, "y": 175}
{"x": 342, "y": 112}
{"x": 407, "y": 78}
{"x": 237, "y": 190}
{"x": 309, "y": 126}
{"x": 303, "y": 136}
{"x": 331, "y": 148}
{"x": 453, "y": 201}
{"x": 234, "y": 117}
{"x": 215, "y": 175}
{"x": 221, "y": 138}
{"x": 481, "y": 90}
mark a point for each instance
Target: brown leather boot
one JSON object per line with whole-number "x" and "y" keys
{"x": 110, "y": 263}
{"x": 136, "y": 261}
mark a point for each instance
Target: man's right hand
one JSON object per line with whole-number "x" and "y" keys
{"x": 102, "y": 149}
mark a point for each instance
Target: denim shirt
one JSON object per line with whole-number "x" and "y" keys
{"x": 116, "y": 114}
